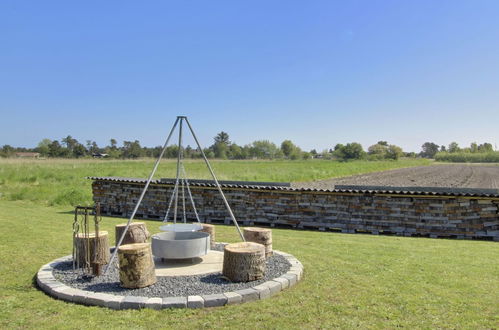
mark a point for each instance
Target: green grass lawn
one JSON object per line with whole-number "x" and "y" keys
{"x": 62, "y": 181}
{"x": 349, "y": 281}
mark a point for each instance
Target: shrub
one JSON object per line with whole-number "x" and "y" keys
{"x": 466, "y": 157}
{"x": 349, "y": 151}
{"x": 71, "y": 197}
{"x": 19, "y": 195}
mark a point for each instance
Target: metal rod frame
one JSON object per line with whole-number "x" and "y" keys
{"x": 76, "y": 230}
{"x": 96, "y": 267}
{"x": 178, "y": 170}
{"x": 87, "y": 241}
{"x": 148, "y": 182}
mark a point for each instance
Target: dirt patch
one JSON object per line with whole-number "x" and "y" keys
{"x": 447, "y": 176}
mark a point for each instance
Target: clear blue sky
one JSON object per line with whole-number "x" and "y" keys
{"x": 316, "y": 72}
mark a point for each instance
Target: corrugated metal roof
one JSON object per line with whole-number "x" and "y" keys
{"x": 231, "y": 182}
{"x": 397, "y": 191}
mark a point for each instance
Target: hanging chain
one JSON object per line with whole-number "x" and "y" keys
{"x": 190, "y": 194}
{"x": 170, "y": 204}
{"x": 181, "y": 152}
{"x": 183, "y": 202}
{"x": 179, "y": 158}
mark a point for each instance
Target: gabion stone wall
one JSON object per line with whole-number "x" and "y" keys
{"x": 375, "y": 212}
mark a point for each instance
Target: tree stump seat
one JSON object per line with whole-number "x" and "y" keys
{"x": 137, "y": 233}
{"x": 92, "y": 249}
{"x": 259, "y": 235}
{"x": 210, "y": 229}
{"x": 136, "y": 265}
{"x": 244, "y": 261}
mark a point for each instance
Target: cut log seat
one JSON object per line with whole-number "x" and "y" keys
{"x": 136, "y": 265}
{"x": 259, "y": 235}
{"x": 244, "y": 262}
{"x": 137, "y": 233}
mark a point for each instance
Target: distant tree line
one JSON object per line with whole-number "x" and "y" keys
{"x": 475, "y": 153}
{"x": 223, "y": 148}
{"x": 430, "y": 149}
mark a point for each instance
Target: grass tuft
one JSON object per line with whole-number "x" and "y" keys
{"x": 71, "y": 197}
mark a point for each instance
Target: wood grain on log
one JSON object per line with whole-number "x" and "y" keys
{"x": 259, "y": 235}
{"x": 98, "y": 248}
{"x": 137, "y": 233}
{"x": 136, "y": 265}
{"x": 210, "y": 229}
{"x": 244, "y": 262}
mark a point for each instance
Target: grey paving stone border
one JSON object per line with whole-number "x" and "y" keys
{"x": 50, "y": 285}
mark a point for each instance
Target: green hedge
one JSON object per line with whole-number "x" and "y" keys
{"x": 466, "y": 157}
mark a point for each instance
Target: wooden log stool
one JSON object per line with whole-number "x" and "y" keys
{"x": 137, "y": 233}
{"x": 136, "y": 265}
{"x": 210, "y": 229}
{"x": 244, "y": 261}
{"x": 93, "y": 249}
{"x": 259, "y": 235}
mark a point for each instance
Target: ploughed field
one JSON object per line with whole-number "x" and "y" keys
{"x": 439, "y": 175}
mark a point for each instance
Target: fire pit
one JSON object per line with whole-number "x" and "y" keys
{"x": 183, "y": 240}
{"x": 180, "y": 245}
{"x": 194, "y": 283}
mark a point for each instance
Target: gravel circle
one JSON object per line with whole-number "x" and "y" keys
{"x": 166, "y": 286}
